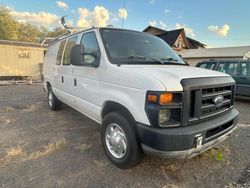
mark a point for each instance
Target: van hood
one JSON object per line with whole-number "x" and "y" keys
{"x": 171, "y": 75}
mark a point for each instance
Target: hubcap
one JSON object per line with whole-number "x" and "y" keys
{"x": 50, "y": 98}
{"x": 116, "y": 140}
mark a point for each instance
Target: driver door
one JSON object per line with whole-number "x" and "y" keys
{"x": 86, "y": 78}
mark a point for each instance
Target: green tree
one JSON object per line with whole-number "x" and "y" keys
{"x": 10, "y": 29}
{"x": 56, "y": 32}
{"x": 28, "y": 33}
{"x": 8, "y": 25}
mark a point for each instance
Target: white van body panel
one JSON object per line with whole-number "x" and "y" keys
{"x": 49, "y": 65}
{"x": 172, "y": 75}
{"x": 125, "y": 84}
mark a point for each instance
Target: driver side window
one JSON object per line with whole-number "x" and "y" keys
{"x": 90, "y": 46}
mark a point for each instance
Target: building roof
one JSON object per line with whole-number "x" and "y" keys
{"x": 193, "y": 44}
{"x": 240, "y": 51}
{"x": 171, "y": 36}
{"x": 154, "y": 30}
{"x": 18, "y": 43}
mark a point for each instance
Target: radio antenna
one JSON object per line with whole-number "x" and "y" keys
{"x": 124, "y": 5}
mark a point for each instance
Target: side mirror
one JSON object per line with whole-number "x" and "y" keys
{"x": 80, "y": 58}
{"x": 76, "y": 55}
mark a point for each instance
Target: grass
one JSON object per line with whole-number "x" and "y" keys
{"x": 170, "y": 186}
{"x": 215, "y": 153}
{"x": 31, "y": 108}
{"x": 49, "y": 148}
{"x": 100, "y": 164}
{"x": 234, "y": 185}
{"x": 14, "y": 152}
{"x": 5, "y": 120}
{"x": 83, "y": 147}
{"x": 9, "y": 109}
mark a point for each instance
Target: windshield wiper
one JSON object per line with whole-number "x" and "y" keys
{"x": 142, "y": 58}
{"x": 157, "y": 60}
{"x": 172, "y": 61}
{"x": 169, "y": 59}
{"x": 130, "y": 57}
{"x": 135, "y": 57}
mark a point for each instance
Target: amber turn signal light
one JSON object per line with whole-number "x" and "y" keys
{"x": 152, "y": 98}
{"x": 166, "y": 98}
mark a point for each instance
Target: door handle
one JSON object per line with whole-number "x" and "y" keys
{"x": 62, "y": 79}
{"x": 75, "y": 82}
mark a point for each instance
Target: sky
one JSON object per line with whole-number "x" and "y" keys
{"x": 217, "y": 23}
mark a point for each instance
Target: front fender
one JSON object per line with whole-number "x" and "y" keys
{"x": 132, "y": 99}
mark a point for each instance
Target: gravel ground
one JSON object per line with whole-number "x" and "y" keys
{"x": 41, "y": 148}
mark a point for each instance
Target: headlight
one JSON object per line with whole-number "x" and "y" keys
{"x": 164, "y": 109}
{"x": 164, "y": 116}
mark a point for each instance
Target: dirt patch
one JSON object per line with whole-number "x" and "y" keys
{"x": 245, "y": 177}
{"x": 244, "y": 125}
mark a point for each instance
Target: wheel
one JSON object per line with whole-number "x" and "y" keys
{"x": 119, "y": 141}
{"x": 54, "y": 103}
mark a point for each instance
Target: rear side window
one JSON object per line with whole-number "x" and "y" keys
{"x": 207, "y": 65}
{"x": 228, "y": 67}
{"x": 60, "y": 52}
{"x": 70, "y": 43}
{"x": 245, "y": 69}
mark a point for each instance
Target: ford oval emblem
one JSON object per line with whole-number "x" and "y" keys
{"x": 218, "y": 100}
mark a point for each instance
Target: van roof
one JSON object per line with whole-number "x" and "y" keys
{"x": 58, "y": 39}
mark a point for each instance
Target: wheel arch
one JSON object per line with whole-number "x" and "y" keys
{"x": 112, "y": 106}
{"x": 47, "y": 86}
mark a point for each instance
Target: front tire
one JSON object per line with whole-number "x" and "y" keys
{"x": 53, "y": 102}
{"x": 119, "y": 141}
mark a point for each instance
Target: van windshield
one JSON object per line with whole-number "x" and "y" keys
{"x": 132, "y": 47}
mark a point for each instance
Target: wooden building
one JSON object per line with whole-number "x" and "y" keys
{"x": 21, "y": 60}
{"x": 176, "y": 39}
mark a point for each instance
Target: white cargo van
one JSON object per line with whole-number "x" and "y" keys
{"x": 141, "y": 92}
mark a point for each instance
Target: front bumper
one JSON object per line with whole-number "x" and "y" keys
{"x": 181, "y": 142}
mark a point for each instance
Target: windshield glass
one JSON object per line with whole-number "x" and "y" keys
{"x": 131, "y": 47}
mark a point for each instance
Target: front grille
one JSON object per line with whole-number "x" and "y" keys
{"x": 198, "y": 96}
{"x": 202, "y": 103}
{"x": 208, "y": 107}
